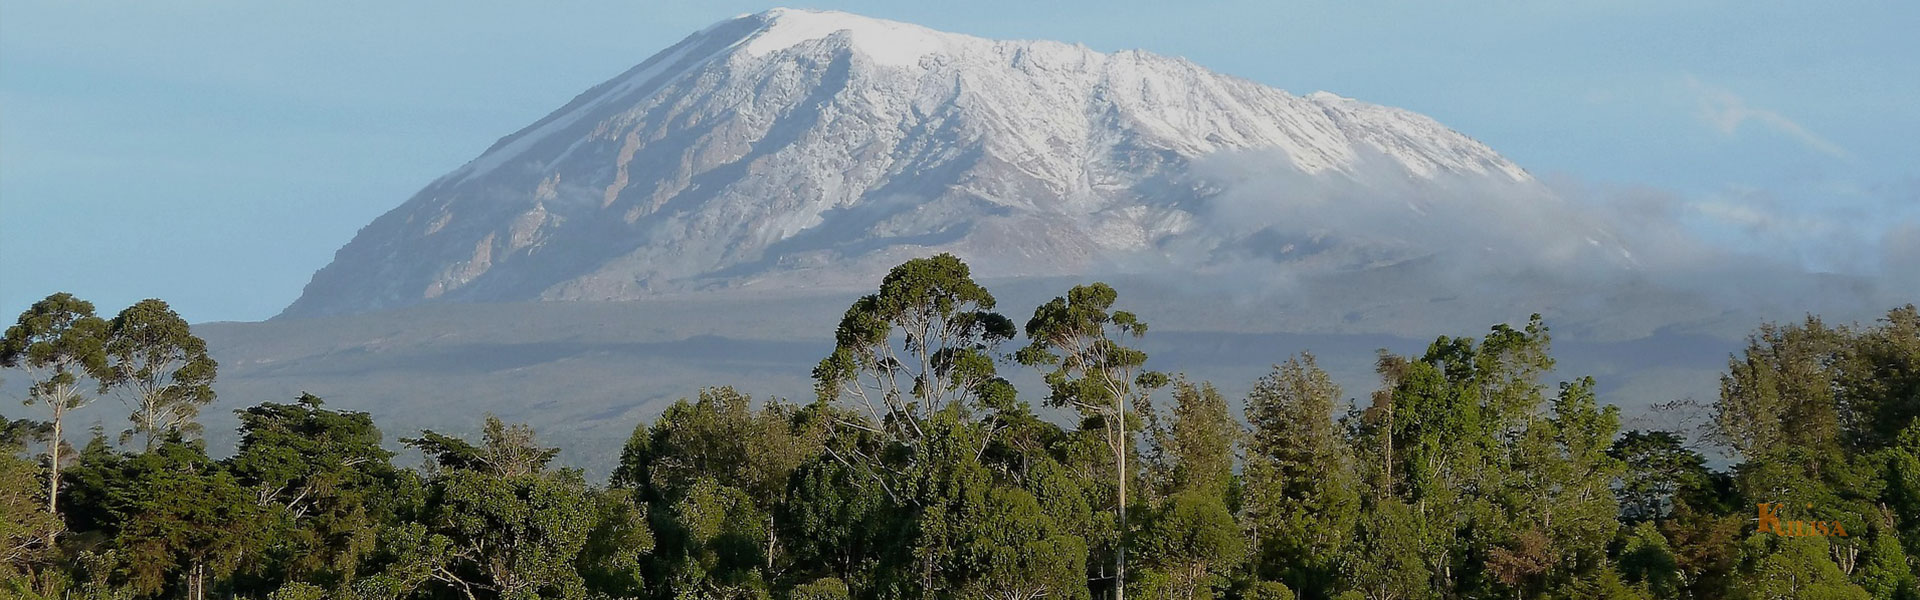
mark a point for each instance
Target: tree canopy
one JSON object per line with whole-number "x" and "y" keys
{"x": 1473, "y": 470}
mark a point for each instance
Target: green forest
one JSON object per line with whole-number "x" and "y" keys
{"x": 919, "y": 471}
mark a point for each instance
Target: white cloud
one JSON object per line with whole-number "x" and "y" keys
{"x": 1747, "y": 248}
{"x": 1727, "y": 112}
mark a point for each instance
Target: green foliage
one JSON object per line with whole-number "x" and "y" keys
{"x": 836, "y": 521}
{"x": 1574, "y": 502}
{"x": 613, "y": 561}
{"x": 921, "y": 473}
{"x": 405, "y": 559}
{"x": 1302, "y": 499}
{"x": 185, "y": 521}
{"x": 505, "y": 450}
{"x": 59, "y": 335}
{"x": 1076, "y": 339}
{"x": 1824, "y": 417}
{"x": 58, "y": 341}
{"x": 1191, "y": 545}
{"x": 1706, "y": 548}
{"x": 924, "y": 341}
{"x": 1393, "y": 547}
{"x": 1606, "y": 584}
{"x": 298, "y": 591}
{"x": 1648, "y": 560}
{"x": 676, "y": 466}
{"x": 324, "y": 482}
{"x": 509, "y": 527}
{"x": 716, "y": 538}
{"x": 1887, "y": 572}
{"x": 1488, "y": 492}
{"x": 825, "y": 588}
{"x": 1268, "y": 590}
{"x": 27, "y": 529}
{"x": 721, "y": 436}
{"x": 1780, "y": 390}
{"x": 1017, "y": 551}
{"x": 1879, "y": 378}
{"x": 1902, "y": 496}
{"x": 1661, "y": 471}
{"x": 1196, "y": 451}
{"x": 1798, "y": 567}
{"x": 1189, "y": 541}
{"x": 153, "y": 355}
{"x": 1074, "y": 342}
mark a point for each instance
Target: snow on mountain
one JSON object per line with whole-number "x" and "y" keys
{"x": 796, "y": 148}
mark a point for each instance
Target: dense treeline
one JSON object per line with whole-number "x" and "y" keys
{"x": 920, "y": 472}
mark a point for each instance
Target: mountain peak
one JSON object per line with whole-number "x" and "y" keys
{"x": 886, "y": 42}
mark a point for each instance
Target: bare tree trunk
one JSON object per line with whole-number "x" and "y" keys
{"x": 60, "y": 401}
{"x": 1386, "y": 447}
{"x": 1120, "y": 455}
{"x": 53, "y": 472}
{"x": 147, "y": 427}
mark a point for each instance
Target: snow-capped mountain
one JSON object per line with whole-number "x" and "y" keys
{"x": 795, "y": 148}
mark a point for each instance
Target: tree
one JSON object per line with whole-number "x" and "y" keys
{"x": 1647, "y": 559}
{"x": 943, "y": 353}
{"x": 721, "y": 438}
{"x": 612, "y": 563}
{"x": 1576, "y": 505}
{"x": 1798, "y": 568}
{"x": 838, "y": 522}
{"x": 1465, "y": 478}
{"x": 93, "y": 485}
{"x": 153, "y": 354}
{"x": 1302, "y": 498}
{"x": 1879, "y": 379}
{"x": 1660, "y": 471}
{"x": 505, "y": 450}
{"x": 1886, "y": 572}
{"x": 1268, "y": 590}
{"x": 1901, "y": 471}
{"x": 497, "y": 522}
{"x": 1391, "y": 561}
{"x": 27, "y": 528}
{"x": 185, "y": 521}
{"x": 1074, "y": 343}
{"x": 918, "y": 350}
{"x": 57, "y": 341}
{"x": 1190, "y": 545}
{"x": 1459, "y": 435}
{"x": 1196, "y": 450}
{"x": 1020, "y": 552}
{"x": 825, "y": 588}
{"x": 1442, "y": 447}
{"x": 327, "y": 480}
{"x": 714, "y": 541}
{"x": 406, "y": 557}
{"x": 1706, "y": 551}
{"x": 1190, "y": 540}
{"x": 1780, "y": 394}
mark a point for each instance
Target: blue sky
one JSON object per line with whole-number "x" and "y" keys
{"x": 215, "y": 154}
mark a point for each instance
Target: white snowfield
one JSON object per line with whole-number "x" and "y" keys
{"x": 796, "y": 148}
